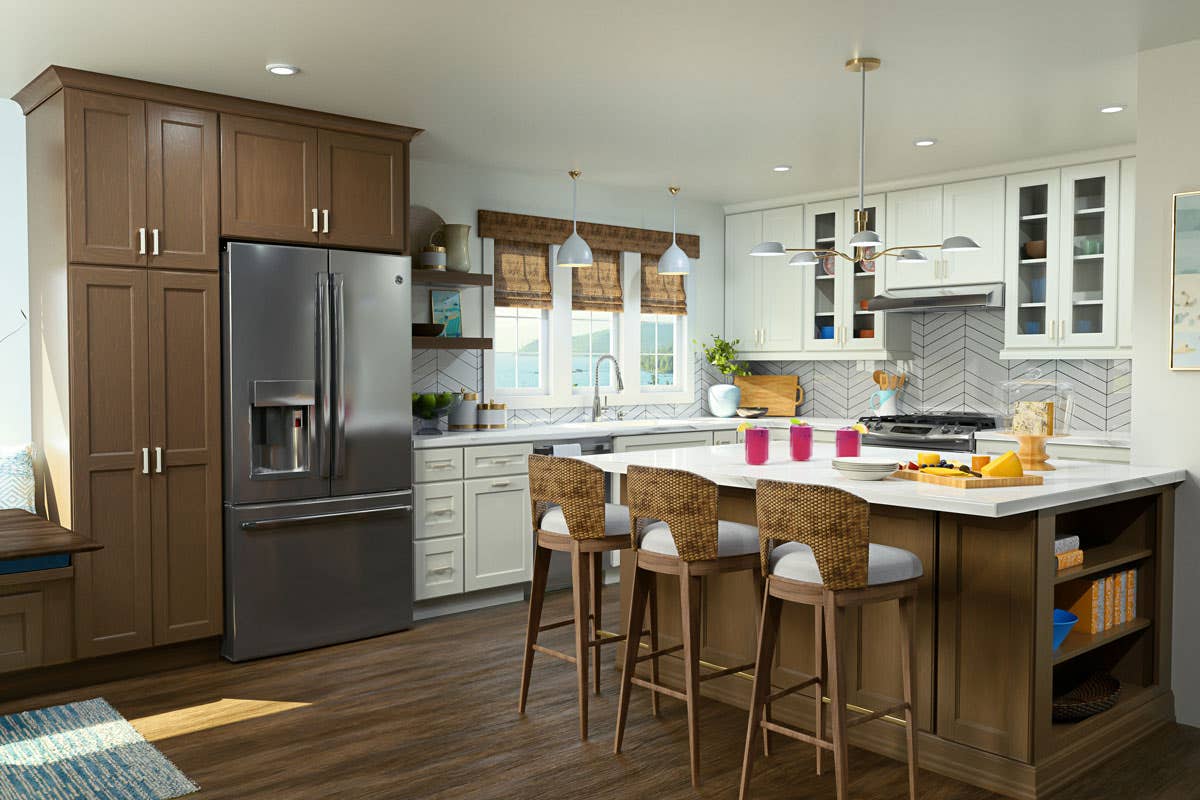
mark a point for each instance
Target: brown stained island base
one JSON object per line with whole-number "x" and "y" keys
{"x": 987, "y": 674}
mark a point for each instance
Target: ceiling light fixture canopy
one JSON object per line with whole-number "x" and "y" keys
{"x": 574, "y": 252}
{"x": 674, "y": 261}
{"x": 866, "y": 244}
{"x": 282, "y": 69}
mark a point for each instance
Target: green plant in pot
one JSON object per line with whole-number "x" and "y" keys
{"x": 723, "y": 398}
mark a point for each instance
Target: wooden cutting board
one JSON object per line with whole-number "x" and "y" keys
{"x": 781, "y": 395}
{"x": 967, "y": 482}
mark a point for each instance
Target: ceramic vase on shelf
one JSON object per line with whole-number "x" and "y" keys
{"x": 456, "y": 239}
{"x": 723, "y": 399}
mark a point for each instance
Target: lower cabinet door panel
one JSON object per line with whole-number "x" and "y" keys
{"x": 20, "y": 631}
{"x": 437, "y": 567}
{"x": 499, "y": 533}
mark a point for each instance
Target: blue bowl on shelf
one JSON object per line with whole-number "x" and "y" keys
{"x": 1037, "y": 290}
{"x": 825, "y": 332}
{"x": 1064, "y": 621}
{"x": 1031, "y": 327}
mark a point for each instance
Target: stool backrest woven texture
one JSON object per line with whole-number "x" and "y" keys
{"x": 833, "y": 522}
{"x": 572, "y": 484}
{"x": 686, "y": 502}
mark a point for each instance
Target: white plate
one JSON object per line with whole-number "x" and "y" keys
{"x": 864, "y": 476}
{"x": 874, "y": 462}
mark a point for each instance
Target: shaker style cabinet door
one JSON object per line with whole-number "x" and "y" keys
{"x": 498, "y": 536}
{"x": 914, "y": 217}
{"x": 268, "y": 180}
{"x": 110, "y": 437}
{"x": 185, "y": 456}
{"x": 106, "y": 179}
{"x": 363, "y": 191}
{"x": 182, "y": 189}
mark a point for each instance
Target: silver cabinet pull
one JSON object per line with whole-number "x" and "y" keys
{"x": 154, "y": 251}
{"x": 325, "y": 221}
{"x": 314, "y": 230}
{"x": 440, "y": 570}
{"x": 499, "y": 484}
{"x": 158, "y": 459}
{"x": 145, "y": 460}
{"x": 1062, "y": 329}
{"x": 141, "y": 241}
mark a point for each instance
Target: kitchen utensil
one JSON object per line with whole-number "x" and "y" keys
{"x": 751, "y": 413}
{"x": 847, "y": 442}
{"x": 864, "y": 333}
{"x": 456, "y": 239}
{"x": 427, "y": 328}
{"x": 492, "y": 416}
{"x": 464, "y": 416}
{"x": 1037, "y": 289}
{"x": 864, "y": 468}
{"x": 967, "y": 482}
{"x": 724, "y": 399}
{"x": 432, "y": 257}
{"x": 883, "y": 402}
{"x": 1063, "y": 622}
{"x": 825, "y": 332}
{"x": 880, "y": 378}
{"x": 862, "y": 304}
{"x": 1035, "y": 248}
{"x": 758, "y": 445}
{"x": 781, "y": 395}
{"x": 800, "y": 439}
{"x": 1031, "y": 327}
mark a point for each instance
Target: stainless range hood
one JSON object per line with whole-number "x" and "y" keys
{"x": 940, "y": 298}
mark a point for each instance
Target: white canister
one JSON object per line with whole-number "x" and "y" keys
{"x": 493, "y": 416}
{"x": 463, "y": 417}
{"x": 431, "y": 257}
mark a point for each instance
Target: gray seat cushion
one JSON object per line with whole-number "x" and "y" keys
{"x": 733, "y": 539}
{"x": 616, "y": 520}
{"x": 885, "y": 564}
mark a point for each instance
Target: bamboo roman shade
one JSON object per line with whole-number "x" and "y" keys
{"x": 661, "y": 294}
{"x": 522, "y": 278}
{"x": 598, "y": 287}
{"x": 549, "y": 230}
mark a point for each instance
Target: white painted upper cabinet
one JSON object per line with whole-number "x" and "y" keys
{"x": 1126, "y": 255}
{"x": 861, "y": 329}
{"x": 975, "y": 209}
{"x": 781, "y": 287}
{"x": 824, "y": 314}
{"x": 1089, "y": 198}
{"x": 1031, "y": 260}
{"x": 914, "y": 217}
{"x": 742, "y": 232}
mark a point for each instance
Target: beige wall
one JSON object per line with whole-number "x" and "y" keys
{"x": 1166, "y": 427}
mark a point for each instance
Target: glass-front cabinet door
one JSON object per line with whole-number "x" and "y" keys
{"x": 861, "y": 329}
{"x": 1088, "y": 261}
{"x": 823, "y": 302}
{"x": 1031, "y": 260}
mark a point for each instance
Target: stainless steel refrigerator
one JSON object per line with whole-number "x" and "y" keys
{"x": 317, "y": 423}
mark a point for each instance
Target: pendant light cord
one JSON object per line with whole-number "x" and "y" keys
{"x": 574, "y": 198}
{"x": 862, "y": 140}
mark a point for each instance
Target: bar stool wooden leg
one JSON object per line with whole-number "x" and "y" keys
{"x": 597, "y": 596}
{"x": 768, "y": 631}
{"x": 537, "y": 596}
{"x": 689, "y": 602}
{"x": 834, "y": 622}
{"x": 908, "y": 643}
{"x": 580, "y": 578}
{"x": 652, "y": 580}
{"x": 766, "y": 713}
{"x": 819, "y": 689}
{"x": 633, "y": 628}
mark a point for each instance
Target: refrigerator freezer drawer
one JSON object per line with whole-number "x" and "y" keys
{"x": 317, "y": 572}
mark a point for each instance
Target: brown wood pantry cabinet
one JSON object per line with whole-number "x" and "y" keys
{"x": 131, "y": 187}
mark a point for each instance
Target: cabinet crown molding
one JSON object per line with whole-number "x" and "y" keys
{"x": 55, "y": 78}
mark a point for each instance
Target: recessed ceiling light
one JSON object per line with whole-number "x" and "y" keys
{"x": 782, "y": 167}
{"x": 282, "y": 69}
{"x": 928, "y": 141}
{"x": 1113, "y": 109}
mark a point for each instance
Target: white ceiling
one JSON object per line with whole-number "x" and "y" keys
{"x": 705, "y": 93}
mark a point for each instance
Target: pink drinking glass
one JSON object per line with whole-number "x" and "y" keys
{"x": 800, "y": 437}
{"x": 758, "y": 443}
{"x": 848, "y": 443}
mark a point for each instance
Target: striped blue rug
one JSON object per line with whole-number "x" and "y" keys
{"x": 82, "y": 750}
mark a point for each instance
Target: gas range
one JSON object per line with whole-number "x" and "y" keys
{"x": 955, "y": 432}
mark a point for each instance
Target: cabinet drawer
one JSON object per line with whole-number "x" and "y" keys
{"x": 437, "y": 509}
{"x": 662, "y": 441}
{"x": 725, "y": 437}
{"x": 440, "y": 464}
{"x": 437, "y": 567}
{"x": 498, "y": 459}
{"x": 20, "y": 631}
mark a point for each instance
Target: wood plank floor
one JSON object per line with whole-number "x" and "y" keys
{"x": 431, "y": 713}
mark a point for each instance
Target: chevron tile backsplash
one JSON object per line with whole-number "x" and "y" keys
{"x": 956, "y": 366}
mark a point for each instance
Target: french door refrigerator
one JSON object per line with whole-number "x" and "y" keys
{"x": 317, "y": 424}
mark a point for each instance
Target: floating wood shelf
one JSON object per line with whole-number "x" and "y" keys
{"x": 452, "y": 342}
{"x": 1078, "y": 643}
{"x": 437, "y": 277}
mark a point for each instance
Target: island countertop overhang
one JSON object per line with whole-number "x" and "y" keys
{"x": 1071, "y": 481}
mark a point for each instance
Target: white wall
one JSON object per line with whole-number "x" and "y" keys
{"x": 1165, "y": 426}
{"x": 14, "y": 279}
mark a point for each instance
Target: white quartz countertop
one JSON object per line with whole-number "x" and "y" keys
{"x": 583, "y": 430}
{"x": 1071, "y": 482}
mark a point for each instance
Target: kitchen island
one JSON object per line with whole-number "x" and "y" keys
{"x": 987, "y": 673}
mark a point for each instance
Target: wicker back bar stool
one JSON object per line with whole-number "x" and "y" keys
{"x": 571, "y": 516}
{"x": 815, "y": 550}
{"x": 676, "y": 532}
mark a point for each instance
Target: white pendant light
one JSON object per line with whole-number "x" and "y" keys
{"x": 771, "y": 249}
{"x": 574, "y": 252}
{"x": 807, "y": 259}
{"x": 866, "y": 238}
{"x": 910, "y": 256}
{"x": 674, "y": 261}
{"x": 959, "y": 244}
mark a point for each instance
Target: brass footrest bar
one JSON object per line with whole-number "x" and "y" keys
{"x": 556, "y": 653}
{"x": 549, "y": 626}
{"x": 721, "y": 673}
{"x": 792, "y": 733}
{"x": 607, "y": 638}
{"x": 659, "y": 653}
{"x": 792, "y": 690}
{"x": 867, "y": 717}
{"x": 655, "y": 687}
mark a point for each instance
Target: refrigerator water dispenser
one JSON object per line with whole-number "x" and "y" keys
{"x": 282, "y": 431}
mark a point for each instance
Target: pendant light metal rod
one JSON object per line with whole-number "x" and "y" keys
{"x": 862, "y": 142}
{"x": 674, "y": 190}
{"x": 574, "y": 197}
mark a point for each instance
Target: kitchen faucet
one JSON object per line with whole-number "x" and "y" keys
{"x": 596, "y": 409}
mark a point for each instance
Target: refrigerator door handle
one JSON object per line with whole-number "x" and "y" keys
{"x": 339, "y": 377}
{"x": 265, "y": 524}
{"x": 324, "y": 372}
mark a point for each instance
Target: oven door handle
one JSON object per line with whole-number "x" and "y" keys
{"x": 883, "y": 440}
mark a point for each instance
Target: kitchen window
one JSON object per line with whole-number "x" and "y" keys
{"x": 593, "y": 334}
{"x": 660, "y": 343}
{"x": 520, "y": 352}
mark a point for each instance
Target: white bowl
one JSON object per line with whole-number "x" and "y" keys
{"x": 865, "y": 462}
{"x": 863, "y": 476}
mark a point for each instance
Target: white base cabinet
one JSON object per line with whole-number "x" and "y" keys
{"x": 499, "y": 534}
{"x": 437, "y": 567}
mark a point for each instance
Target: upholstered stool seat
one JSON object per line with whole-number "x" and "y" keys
{"x": 733, "y": 539}
{"x": 616, "y": 520}
{"x": 795, "y": 561}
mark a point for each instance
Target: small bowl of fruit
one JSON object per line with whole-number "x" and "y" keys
{"x": 429, "y": 406}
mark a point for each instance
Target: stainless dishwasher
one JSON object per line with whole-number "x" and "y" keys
{"x": 560, "y": 563}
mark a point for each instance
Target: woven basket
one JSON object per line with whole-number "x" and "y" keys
{"x": 1097, "y": 694}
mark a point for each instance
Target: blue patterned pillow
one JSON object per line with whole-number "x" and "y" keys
{"x": 16, "y": 478}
